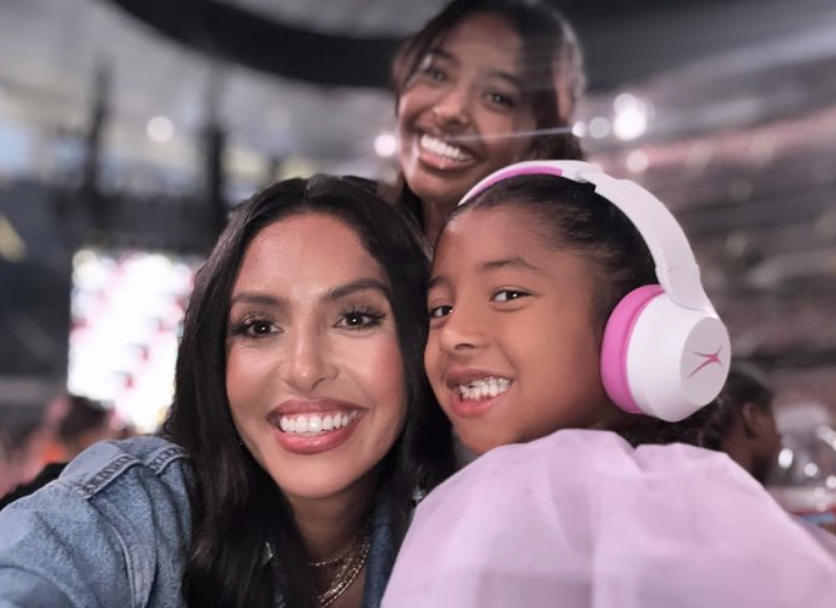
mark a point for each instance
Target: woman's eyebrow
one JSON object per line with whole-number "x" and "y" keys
{"x": 256, "y": 297}
{"x": 363, "y": 284}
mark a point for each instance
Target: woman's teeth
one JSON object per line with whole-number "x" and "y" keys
{"x": 483, "y": 389}
{"x": 315, "y": 424}
{"x": 443, "y": 149}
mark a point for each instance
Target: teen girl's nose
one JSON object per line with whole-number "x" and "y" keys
{"x": 452, "y": 107}
{"x": 307, "y": 361}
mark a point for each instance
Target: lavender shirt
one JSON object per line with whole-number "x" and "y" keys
{"x": 581, "y": 519}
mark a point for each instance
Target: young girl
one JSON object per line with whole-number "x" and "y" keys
{"x": 485, "y": 83}
{"x": 562, "y": 299}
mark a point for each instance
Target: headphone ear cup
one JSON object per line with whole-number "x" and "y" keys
{"x": 616, "y": 342}
{"x": 662, "y": 359}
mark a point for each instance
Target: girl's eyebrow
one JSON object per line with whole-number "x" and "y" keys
{"x": 511, "y": 262}
{"x": 492, "y": 265}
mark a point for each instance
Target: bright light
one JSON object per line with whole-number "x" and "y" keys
{"x": 785, "y": 458}
{"x": 385, "y": 145}
{"x": 811, "y": 469}
{"x": 637, "y": 161}
{"x": 630, "y": 117}
{"x": 599, "y": 127}
{"x": 579, "y": 129}
{"x": 160, "y": 129}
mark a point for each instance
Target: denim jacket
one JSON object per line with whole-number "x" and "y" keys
{"x": 114, "y": 530}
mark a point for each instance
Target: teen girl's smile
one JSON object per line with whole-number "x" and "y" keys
{"x": 460, "y": 114}
{"x": 314, "y": 370}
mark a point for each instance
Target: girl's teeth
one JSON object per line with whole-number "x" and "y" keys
{"x": 483, "y": 389}
{"x": 314, "y": 424}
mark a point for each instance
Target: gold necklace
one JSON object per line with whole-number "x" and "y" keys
{"x": 348, "y": 565}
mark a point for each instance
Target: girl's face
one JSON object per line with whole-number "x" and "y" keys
{"x": 513, "y": 352}
{"x": 314, "y": 372}
{"x": 456, "y": 112}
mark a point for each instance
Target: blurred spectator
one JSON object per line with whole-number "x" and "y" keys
{"x": 71, "y": 424}
{"x": 740, "y": 422}
{"x": 85, "y": 422}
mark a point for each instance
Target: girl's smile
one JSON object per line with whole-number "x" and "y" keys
{"x": 513, "y": 352}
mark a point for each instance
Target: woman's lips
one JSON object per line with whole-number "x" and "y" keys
{"x": 312, "y": 427}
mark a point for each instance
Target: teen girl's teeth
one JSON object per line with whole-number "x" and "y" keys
{"x": 484, "y": 388}
{"x": 316, "y": 424}
{"x": 443, "y": 149}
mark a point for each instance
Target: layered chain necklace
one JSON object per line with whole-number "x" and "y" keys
{"x": 346, "y": 567}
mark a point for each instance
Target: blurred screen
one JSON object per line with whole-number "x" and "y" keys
{"x": 127, "y": 310}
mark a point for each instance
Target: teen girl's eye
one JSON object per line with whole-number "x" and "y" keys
{"x": 435, "y": 73}
{"x": 254, "y": 328}
{"x": 437, "y": 312}
{"x": 501, "y": 99}
{"x": 508, "y": 295}
{"x": 361, "y": 318}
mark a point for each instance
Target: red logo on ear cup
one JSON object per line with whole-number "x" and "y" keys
{"x": 709, "y": 359}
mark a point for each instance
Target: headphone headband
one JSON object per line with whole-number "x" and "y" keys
{"x": 676, "y": 268}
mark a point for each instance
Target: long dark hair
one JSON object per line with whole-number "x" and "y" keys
{"x": 546, "y": 38}
{"x": 572, "y": 216}
{"x": 236, "y": 506}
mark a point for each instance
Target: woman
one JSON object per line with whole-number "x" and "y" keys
{"x": 298, "y": 434}
{"x": 484, "y": 84}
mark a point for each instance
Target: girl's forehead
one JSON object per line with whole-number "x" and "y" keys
{"x": 492, "y": 232}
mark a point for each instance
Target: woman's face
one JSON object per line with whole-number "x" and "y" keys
{"x": 314, "y": 371}
{"x": 458, "y": 110}
{"x": 513, "y": 353}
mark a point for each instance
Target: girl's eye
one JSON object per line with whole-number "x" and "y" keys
{"x": 360, "y": 319}
{"x": 440, "y": 311}
{"x": 254, "y": 328}
{"x": 506, "y": 295}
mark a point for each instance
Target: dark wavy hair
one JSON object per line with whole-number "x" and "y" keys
{"x": 547, "y": 38}
{"x": 572, "y": 216}
{"x": 236, "y": 506}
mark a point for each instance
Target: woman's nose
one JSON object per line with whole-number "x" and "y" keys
{"x": 308, "y": 361}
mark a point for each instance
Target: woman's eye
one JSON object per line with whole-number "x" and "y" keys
{"x": 437, "y": 312}
{"x": 256, "y": 328}
{"x": 360, "y": 319}
{"x": 506, "y": 295}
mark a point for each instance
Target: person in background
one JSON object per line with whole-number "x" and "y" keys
{"x": 740, "y": 422}
{"x": 83, "y": 422}
{"x": 301, "y": 428}
{"x": 485, "y": 83}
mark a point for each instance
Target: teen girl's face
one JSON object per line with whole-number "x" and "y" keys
{"x": 457, "y": 112}
{"x": 513, "y": 352}
{"x": 314, "y": 372}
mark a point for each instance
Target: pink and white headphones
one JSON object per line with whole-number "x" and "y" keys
{"x": 665, "y": 351}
